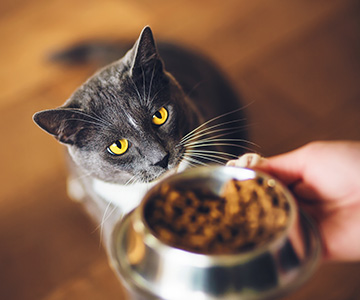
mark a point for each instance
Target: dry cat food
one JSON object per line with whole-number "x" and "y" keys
{"x": 246, "y": 215}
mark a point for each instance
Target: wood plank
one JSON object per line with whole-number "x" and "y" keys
{"x": 94, "y": 284}
{"x": 46, "y": 239}
{"x": 321, "y": 70}
{"x": 297, "y": 63}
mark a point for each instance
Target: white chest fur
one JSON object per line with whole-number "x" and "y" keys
{"x": 126, "y": 197}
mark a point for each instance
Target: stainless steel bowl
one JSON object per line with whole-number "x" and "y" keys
{"x": 151, "y": 269}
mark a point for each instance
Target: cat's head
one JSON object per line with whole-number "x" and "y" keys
{"x": 124, "y": 123}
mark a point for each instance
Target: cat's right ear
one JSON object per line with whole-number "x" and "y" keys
{"x": 64, "y": 124}
{"x": 144, "y": 53}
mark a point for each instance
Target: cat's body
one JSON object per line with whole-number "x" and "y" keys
{"x": 133, "y": 123}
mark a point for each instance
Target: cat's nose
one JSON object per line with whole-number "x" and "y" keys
{"x": 163, "y": 162}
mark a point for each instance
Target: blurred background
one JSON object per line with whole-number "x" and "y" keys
{"x": 296, "y": 62}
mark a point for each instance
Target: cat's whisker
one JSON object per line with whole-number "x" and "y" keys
{"x": 153, "y": 97}
{"x": 85, "y": 121}
{"x": 183, "y": 158}
{"x": 208, "y": 130}
{"x": 82, "y": 176}
{"x": 191, "y": 165}
{"x": 97, "y": 118}
{"x": 136, "y": 88}
{"x": 215, "y": 144}
{"x": 195, "y": 87}
{"x": 224, "y": 132}
{"x": 144, "y": 85}
{"x": 132, "y": 180}
{"x": 236, "y": 130}
{"x": 189, "y": 162}
{"x": 214, "y": 119}
{"x": 199, "y": 143}
{"x": 210, "y": 153}
{"x": 220, "y": 153}
{"x": 107, "y": 215}
{"x": 209, "y": 157}
{"x": 151, "y": 80}
{"x": 101, "y": 119}
{"x": 103, "y": 220}
{"x": 195, "y": 161}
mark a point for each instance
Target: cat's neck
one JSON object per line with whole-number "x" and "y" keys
{"x": 127, "y": 197}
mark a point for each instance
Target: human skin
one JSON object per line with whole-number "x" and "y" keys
{"x": 325, "y": 179}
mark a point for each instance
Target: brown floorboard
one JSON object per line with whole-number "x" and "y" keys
{"x": 296, "y": 63}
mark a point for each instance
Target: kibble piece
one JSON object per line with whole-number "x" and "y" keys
{"x": 246, "y": 215}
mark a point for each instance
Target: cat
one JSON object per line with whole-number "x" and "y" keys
{"x": 158, "y": 110}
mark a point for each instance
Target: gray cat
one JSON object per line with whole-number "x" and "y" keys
{"x": 135, "y": 122}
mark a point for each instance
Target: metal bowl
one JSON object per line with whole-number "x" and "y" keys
{"x": 152, "y": 269}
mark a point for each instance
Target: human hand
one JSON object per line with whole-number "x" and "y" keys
{"x": 325, "y": 179}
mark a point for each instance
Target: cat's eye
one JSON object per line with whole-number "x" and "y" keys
{"x": 119, "y": 147}
{"x": 160, "y": 116}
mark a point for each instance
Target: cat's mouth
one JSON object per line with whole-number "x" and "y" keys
{"x": 172, "y": 163}
{"x": 158, "y": 173}
{"x": 181, "y": 166}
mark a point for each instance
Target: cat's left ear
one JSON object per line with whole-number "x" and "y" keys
{"x": 145, "y": 51}
{"x": 66, "y": 125}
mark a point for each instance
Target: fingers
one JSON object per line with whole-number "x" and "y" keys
{"x": 248, "y": 160}
{"x": 288, "y": 167}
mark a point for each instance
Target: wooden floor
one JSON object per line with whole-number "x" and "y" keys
{"x": 296, "y": 62}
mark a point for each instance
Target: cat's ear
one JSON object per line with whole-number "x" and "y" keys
{"x": 144, "y": 52}
{"x": 63, "y": 123}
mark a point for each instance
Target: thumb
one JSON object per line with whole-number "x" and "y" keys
{"x": 288, "y": 168}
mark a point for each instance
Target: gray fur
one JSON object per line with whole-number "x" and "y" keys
{"x": 119, "y": 101}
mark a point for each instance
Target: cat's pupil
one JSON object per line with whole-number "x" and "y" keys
{"x": 158, "y": 114}
{"x": 118, "y": 144}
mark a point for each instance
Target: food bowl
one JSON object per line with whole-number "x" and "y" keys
{"x": 152, "y": 267}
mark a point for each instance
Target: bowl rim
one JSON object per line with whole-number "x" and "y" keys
{"x": 205, "y": 259}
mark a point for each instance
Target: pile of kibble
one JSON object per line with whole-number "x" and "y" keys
{"x": 246, "y": 215}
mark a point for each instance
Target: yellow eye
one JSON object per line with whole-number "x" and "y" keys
{"x": 119, "y": 147}
{"x": 160, "y": 116}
